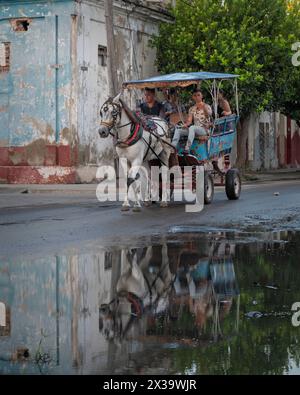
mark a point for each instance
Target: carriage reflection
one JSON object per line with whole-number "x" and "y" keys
{"x": 180, "y": 292}
{"x": 163, "y": 308}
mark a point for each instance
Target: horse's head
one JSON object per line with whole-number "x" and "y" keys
{"x": 117, "y": 318}
{"x": 106, "y": 321}
{"x": 110, "y": 114}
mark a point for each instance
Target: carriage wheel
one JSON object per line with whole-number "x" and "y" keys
{"x": 209, "y": 188}
{"x": 233, "y": 184}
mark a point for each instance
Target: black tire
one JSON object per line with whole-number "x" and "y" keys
{"x": 209, "y": 188}
{"x": 233, "y": 184}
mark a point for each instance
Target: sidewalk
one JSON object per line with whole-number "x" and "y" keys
{"x": 19, "y": 196}
{"x": 247, "y": 178}
{"x": 48, "y": 188}
{"x": 271, "y": 175}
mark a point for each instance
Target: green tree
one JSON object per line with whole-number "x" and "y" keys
{"x": 291, "y": 104}
{"x": 252, "y": 38}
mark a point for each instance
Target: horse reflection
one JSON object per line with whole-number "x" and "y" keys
{"x": 160, "y": 286}
{"x": 142, "y": 288}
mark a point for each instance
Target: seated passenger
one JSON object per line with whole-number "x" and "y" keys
{"x": 168, "y": 105}
{"x": 224, "y": 109}
{"x": 174, "y": 111}
{"x": 197, "y": 123}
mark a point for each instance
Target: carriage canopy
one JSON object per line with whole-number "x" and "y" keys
{"x": 177, "y": 80}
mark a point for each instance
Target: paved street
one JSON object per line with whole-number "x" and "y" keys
{"x": 46, "y": 221}
{"x": 92, "y": 90}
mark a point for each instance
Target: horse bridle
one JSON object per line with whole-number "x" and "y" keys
{"x": 117, "y": 110}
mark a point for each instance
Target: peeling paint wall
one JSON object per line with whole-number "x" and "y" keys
{"x": 295, "y": 145}
{"x": 37, "y": 95}
{"x": 262, "y": 141}
{"x": 30, "y": 85}
{"x": 53, "y": 84}
{"x": 135, "y": 59}
{"x": 273, "y": 141}
{"x": 53, "y": 306}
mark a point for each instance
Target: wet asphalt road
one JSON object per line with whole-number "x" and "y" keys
{"x": 39, "y": 224}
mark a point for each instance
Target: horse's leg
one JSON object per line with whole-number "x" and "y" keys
{"x": 144, "y": 266}
{"x": 144, "y": 263}
{"x": 147, "y": 200}
{"x": 164, "y": 156}
{"x": 126, "y": 268}
{"x": 126, "y": 205}
{"x": 167, "y": 276}
{"x": 134, "y": 175}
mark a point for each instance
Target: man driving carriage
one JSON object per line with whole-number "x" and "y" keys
{"x": 197, "y": 124}
{"x": 151, "y": 106}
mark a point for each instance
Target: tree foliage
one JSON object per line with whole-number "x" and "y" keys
{"x": 252, "y": 38}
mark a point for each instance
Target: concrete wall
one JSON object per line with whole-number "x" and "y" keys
{"x": 262, "y": 142}
{"x": 135, "y": 59}
{"x": 37, "y": 129}
{"x": 273, "y": 141}
{"x": 53, "y": 85}
{"x": 52, "y": 307}
{"x": 295, "y": 145}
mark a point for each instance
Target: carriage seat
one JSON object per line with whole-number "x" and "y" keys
{"x": 225, "y": 124}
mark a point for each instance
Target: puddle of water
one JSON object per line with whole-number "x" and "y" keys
{"x": 191, "y": 303}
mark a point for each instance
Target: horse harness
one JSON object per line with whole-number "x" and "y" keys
{"x": 136, "y": 130}
{"x": 137, "y": 303}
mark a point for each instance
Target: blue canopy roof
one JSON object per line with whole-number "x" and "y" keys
{"x": 177, "y": 79}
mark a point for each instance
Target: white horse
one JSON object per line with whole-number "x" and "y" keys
{"x": 140, "y": 290}
{"x": 136, "y": 145}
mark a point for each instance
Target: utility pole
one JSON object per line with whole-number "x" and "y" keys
{"x": 111, "y": 59}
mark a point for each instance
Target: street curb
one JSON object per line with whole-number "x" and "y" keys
{"x": 91, "y": 188}
{"x": 262, "y": 180}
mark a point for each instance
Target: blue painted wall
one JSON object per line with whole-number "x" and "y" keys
{"x": 34, "y": 95}
{"x": 53, "y": 304}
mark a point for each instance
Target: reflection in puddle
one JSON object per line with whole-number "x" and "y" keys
{"x": 217, "y": 303}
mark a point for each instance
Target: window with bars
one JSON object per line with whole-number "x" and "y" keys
{"x": 102, "y": 56}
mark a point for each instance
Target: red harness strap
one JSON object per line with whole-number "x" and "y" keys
{"x": 136, "y": 302}
{"x": 134, "y": 136}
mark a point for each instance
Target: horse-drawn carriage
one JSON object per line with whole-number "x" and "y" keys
{"x": 213, "y": 152}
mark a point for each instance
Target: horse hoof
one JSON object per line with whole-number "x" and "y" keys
{"x": 125, "y": 208}
{"x": 136, "y": 209}
{"x": 147, "y": 204}
{"x": 163, "y": 205}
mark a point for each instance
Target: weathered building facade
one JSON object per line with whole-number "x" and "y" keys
{"x": 53, "y": 79}
{"x": 273, "y": 142}
{"x": 50, "y": 306}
